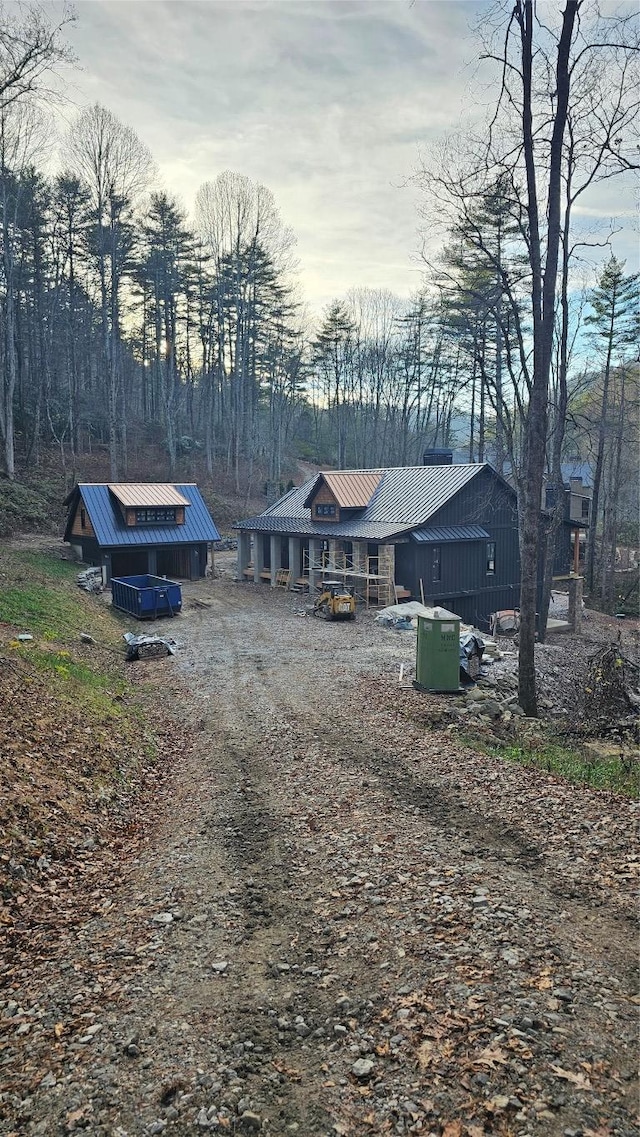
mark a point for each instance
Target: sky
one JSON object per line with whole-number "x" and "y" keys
{"x": 329, "y": 103}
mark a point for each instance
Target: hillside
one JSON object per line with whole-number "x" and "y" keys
{"x": 76, "y": 748}
{"x": 33, "y": 503}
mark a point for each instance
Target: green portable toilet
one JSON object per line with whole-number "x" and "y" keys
{"x": 438, "y": 651}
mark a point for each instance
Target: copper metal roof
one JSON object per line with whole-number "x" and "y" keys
{"x": 140, "y": 495}
{"x": 352, "y": 489}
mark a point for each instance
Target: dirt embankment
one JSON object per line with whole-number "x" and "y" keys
{"x": 340, "y": 922}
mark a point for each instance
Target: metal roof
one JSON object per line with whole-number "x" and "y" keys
{"x": 357, "y": 528}
{"x": 352, "y": 489}
{"x": 111, "y": 531}
{"x": 438, "y": 534}
{"x": 406, "y": 497}
{"x": 146, "y": 494}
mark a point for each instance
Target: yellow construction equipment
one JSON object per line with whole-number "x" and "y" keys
{"x": 335, "y": 602}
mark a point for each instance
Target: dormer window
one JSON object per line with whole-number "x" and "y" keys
{"x": 324, "y": 510}
{"x": 155, "y": 516}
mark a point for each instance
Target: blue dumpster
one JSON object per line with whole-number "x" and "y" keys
{"x": 146, "y": 597}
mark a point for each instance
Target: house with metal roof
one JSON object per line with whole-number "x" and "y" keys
{"x": 445, "y": 534}
{"x": 132, "y": 529}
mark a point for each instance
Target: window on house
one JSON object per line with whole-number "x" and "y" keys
{"x": 436, "y": 568}
{"x": 324, "y": 553}
{"x": 83, "y": 518}
{"x": 585, "y": 507}
{"x": 550, "y": 497}
{"x": 155, "y": 516}
{"x": 347, "y": 548}
{"x": 325, "y": 510}
{"x": 491, "y": 558}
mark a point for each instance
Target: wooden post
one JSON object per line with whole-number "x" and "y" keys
{"x": 576, "y": 551}
{"x": 575, "y": 603}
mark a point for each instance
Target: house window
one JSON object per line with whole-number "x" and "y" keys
{"x": 436, "y": 570}
{"x": 83, "y": 518}
{"x": 550, "y": 497}
{"x": 155, "y": 516}
{"x": 585, "y": 508}
{"x": 491, "y": 558}
{"x": 325, "y": 510}
{"x": 324, "y": 553}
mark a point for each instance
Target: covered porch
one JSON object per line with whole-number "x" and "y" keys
{"x": 300, "y": 563}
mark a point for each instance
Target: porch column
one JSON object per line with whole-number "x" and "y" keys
{"x": 258, "y": 556}
{"x": 314, "y": 559}
{"x": 275, "y": 558}
{"x": 295, "y": 568}
{"x": 244, "y": 552}
{"x": 333, "y": 553}
{"x": 387, "y": 561}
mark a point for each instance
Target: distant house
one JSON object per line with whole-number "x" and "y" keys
{"x": 570, "y": 549}
{"x": 446, "y": 532}
{"x": 138, "y": 528}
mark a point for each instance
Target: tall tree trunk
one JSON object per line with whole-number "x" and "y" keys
{"x": 543, "y": 286}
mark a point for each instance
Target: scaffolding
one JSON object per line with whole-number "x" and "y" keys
{"x": 371, "y": 588}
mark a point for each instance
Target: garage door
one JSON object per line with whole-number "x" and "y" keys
{"x": 130, "y": 562}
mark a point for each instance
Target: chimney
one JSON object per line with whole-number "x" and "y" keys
{"x": 437, "y": 457}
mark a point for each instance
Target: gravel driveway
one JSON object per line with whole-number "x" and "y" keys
{"x": 341, "y": 922}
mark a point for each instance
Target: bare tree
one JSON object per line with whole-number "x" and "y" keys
{"x": 31, "y": 47}
{"x": 547, "y": 99}
{"x": 116, "y": 167}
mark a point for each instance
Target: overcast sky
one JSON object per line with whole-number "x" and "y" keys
{"x": 326, "y": 103}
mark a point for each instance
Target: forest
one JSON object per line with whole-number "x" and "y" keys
{"x": 130, "y": 322}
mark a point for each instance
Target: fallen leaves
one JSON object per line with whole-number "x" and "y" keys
{"x": 581, "y": 1081}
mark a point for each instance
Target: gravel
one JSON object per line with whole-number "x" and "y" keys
{"x": 372, "y": 928}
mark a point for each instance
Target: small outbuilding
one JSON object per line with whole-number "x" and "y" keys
{"x": 138, "y": 528}
{"x": 443, "y": 533}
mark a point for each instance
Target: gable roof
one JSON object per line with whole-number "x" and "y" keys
{"x": 111, "y": 531}
{"x": 143, "y": 495}
{"x": 405, "y": 498}
{"x": 352, "y": 489}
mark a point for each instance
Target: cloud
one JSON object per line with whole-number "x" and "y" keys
{"x": 327, "y": 103}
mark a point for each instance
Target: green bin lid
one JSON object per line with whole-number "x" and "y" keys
{"x": 440, "y": 614}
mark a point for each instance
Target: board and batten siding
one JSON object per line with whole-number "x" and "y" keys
{"x": 78, "y": 529}
{"x": 465, "y": 585}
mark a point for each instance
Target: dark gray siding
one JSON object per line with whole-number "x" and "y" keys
{"x": 465, "y": 586}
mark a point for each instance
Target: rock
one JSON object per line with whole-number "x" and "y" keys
{"x": 220, "y": 967}
{"x": 85, "y": 638}
{"x": 162, "y": 918}
{"x": 250, "y": 1122}
{"x": 363, "y": 1068}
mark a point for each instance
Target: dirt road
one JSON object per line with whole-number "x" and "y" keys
{"x": 340, "y": 923}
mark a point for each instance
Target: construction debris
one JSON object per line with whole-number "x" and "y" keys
{"x": 148, "y": 647}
